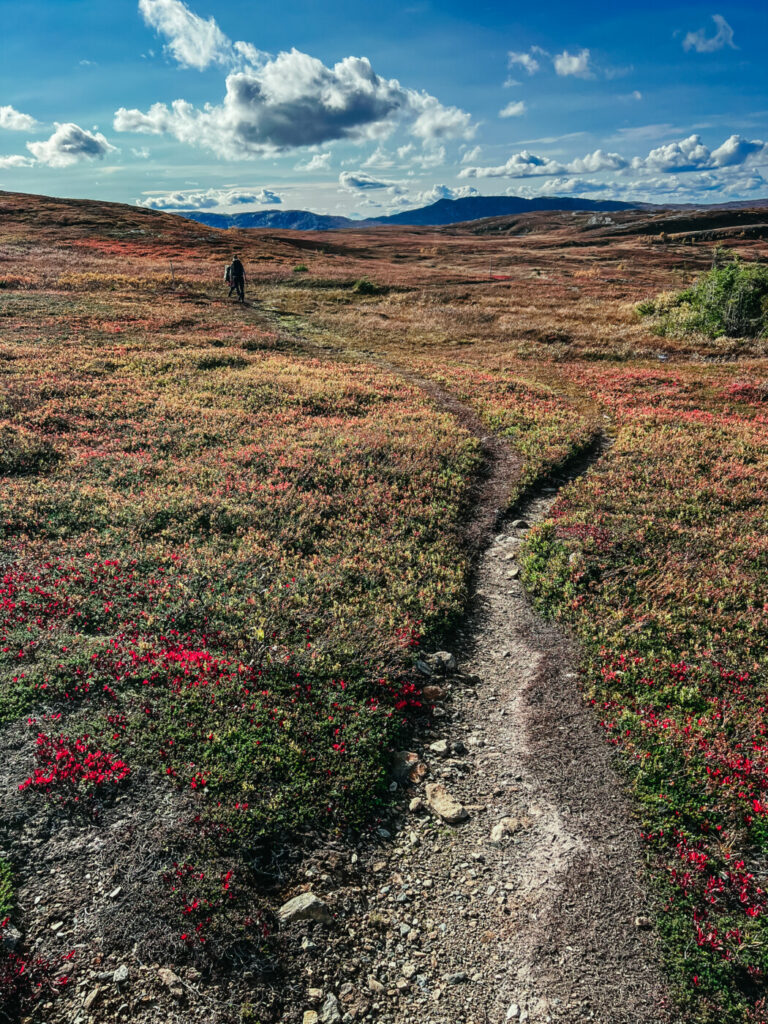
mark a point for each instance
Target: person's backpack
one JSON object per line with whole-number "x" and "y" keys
{"x": 228, "y": 274}
{"x": 238, "y": 270}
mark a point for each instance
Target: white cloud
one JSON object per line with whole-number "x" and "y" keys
{"x": 70, "y": 144}
{"x": 273, "y": 104}
{"x": 682, "y": 156}
{"x": 431, "y": 158}
{"x": 559, "y": 187}
{"x": 380, "y": 158}
{"x": 573, "y": 64}
{"x": 361, "y": 181}
{"x": 699, "y": 42}
{"x": 513, "y": 110}
{"x": 686, "y": 155}
{"x": 471, "y": 155}
{"x": 192, "y": 41}
{"x": 438, "y": 122}
{"x": 519, "y": 165}
{"x": 597, "y": 161}
{"x": 206, "y": 200}
{"x": 16, "y": 161}
{"x": 736, "y": 151}
{"x": 318, "y": 162}
{"x": 141, "y": 154}
{"x": 637, "y": 95}
{"x": 524, "y": 60}
{"x": 15, "y": 121}
{"x": 438, "y": 192}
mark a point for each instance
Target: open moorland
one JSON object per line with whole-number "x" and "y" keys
{"x": 236, "y": 540}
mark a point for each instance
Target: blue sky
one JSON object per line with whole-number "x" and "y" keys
{"x": 337, "y": 107}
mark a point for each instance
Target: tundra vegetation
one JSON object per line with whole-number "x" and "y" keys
{"x": 227, "y": 534}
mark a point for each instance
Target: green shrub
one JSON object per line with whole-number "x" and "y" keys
{"x": 6, "y": 890}
{"x": 366, "y": 287}
{"x": 300, "y": 268}
{"x": 731, "y": 300}
{"x": 23, "y": 453}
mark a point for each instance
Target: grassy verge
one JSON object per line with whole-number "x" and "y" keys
{"x": 658, "y": 559}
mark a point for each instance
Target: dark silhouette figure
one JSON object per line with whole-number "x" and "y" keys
{"x": 235, "y": 277}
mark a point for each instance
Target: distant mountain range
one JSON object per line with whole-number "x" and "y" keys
{"x": 444, "y": 211}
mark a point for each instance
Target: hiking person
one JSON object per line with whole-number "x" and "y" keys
{"x": 235, "y": 278}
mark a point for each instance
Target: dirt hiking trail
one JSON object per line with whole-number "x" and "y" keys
{"x": 533, "y": 908}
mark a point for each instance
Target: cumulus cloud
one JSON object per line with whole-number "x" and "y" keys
{"x": 560, "y": 187}
{"x": 192, "y": 41}
{"x": 318, "y": 162}
{"x": 273, "y": 104}
{"x": 597, "y": 161}
{"x": 692, "y": 154}
{"x": 15, "y": 121}
{"x": 438, "y": 192}
{"x": 471, "y": 155}
{"x": 701, "y": 43}
{"x": 15, "y": 161}
{"x": 513, "y": 110}
{"x": 524, "y": 60}
{"x": 682, "y": 156}
{"x": 206, "y": 200}
{"x": 380, "y": 158}
{"x": 438, "y": 122}
{"x": 573, "y": 64}
{"x": 519, "y": 165}
{"x": 70, "y": 144}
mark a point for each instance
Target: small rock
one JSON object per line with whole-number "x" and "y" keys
{"x": 115, "y": 892}
{"x": 171, "y": 981}
{"x": 432, "y": 693}
{"x": 643, "y": 922}
{"x": 456, "y": 979}
{"x": 442, "y": 660}
{"x": 315, "y": 995}
{"x": 306, "y": 907}
{"x": 402, "y": 984}
{"x": 416, "y": 805}
{"x": 408, "y": 970}
{"x": 375, "y": 986}
{"x": 444, "y": 805}
{"x": 57, "y": 926}
{"x": 440, "y": 748}
{"x": 331, "y": 1011}
{"x": 121, "y": 975}
{"x": 310, "y": 1017}
{"x": 503, "y": 828}
{"x": 519, "y": 524}
{"x": 11, "y": 937}
{"x": 513, "y": 573}
{"x": 423, "y": 667}
{"x": 513, "y": 1012}
{"x": 414, "y": 840}
{"x": 91, "y": 998}
{"x": 307, "y": 943}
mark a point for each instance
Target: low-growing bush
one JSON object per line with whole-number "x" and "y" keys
{"x": 731, "y": 300}
{"x": 23, "y": 453}
{"x": 366, "y": 287}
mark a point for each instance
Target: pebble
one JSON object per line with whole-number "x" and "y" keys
{"x": 305, "y": 907}
{"x": 444, "y": 805}
{"x": 121, "y": 975}
{"x": 331, "y": 1011}
{"x": 440, "y": 748}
